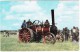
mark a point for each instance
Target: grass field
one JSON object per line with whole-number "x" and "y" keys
{"x": 11, "y": 44}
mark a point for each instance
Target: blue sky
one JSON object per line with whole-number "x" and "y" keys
{"x": 12, "y": 13}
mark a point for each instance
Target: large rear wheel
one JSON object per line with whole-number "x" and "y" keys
{"x": 25, "y": 35}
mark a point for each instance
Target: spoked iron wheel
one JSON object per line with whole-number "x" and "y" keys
{"x": 50, "y": 38}
{"x": 24, "y": 35}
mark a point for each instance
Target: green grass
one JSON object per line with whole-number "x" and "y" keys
{"x": 11, "y": 44}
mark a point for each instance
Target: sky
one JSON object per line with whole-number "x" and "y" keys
{"x": 12, "y": 13}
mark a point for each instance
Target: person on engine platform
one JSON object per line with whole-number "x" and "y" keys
{"x": 24, "y": 25}
{"x": 46, "y": 24}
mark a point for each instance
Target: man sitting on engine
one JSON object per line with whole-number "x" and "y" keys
{"x": 46, "y": 24}
{"x": 29, "y": 24}
{"x": 24, "y": 25}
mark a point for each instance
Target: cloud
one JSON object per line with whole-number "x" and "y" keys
{"x": 66, "y": 13}
{"x": 27, "y": 10}
{"x": 16, "y": 24}
{"x": 66, "y": 8}
{"x": 9, "y": 17}
{"x": 27, "y": 6}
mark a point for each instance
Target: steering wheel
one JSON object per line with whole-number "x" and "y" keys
{"x": 36, "y": 22}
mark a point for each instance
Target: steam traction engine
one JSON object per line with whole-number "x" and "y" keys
{"x": 36, "y": 31}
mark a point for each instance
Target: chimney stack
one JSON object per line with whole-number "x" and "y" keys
{"x": 52, "y": 14}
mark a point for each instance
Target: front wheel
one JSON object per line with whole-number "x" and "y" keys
{"x": 50, "y": 38}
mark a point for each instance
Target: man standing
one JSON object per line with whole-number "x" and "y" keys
{"x": 24, "y": 25}
{"x": 66, "y": 33}
{"x": 74, "y": 34}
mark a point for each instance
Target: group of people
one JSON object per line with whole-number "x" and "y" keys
{"x": 73, "y": 33}
{"x": 26, "y": 24}
{"x": 29, "y": 24}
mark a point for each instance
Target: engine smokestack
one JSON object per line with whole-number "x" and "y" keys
{"x": 52, "y": 14}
